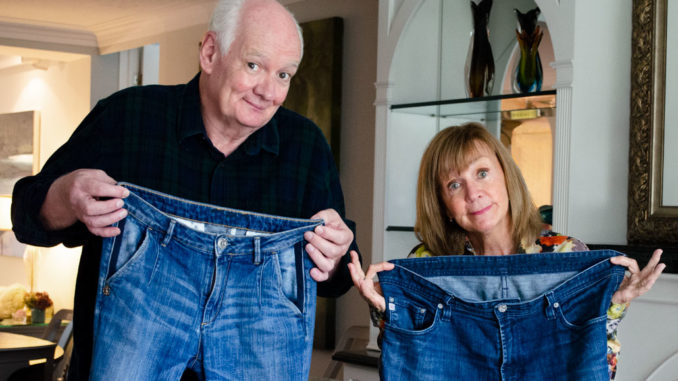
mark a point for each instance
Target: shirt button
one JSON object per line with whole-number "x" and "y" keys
{"x": 222, "y": 243}
{"x": 502, "y": 307}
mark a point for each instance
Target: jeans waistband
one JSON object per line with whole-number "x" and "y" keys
{"x": 205, "y": 227}
{"x": 588, "y": 267}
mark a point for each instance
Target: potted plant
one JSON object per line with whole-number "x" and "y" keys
{"x": 37, "y": 302}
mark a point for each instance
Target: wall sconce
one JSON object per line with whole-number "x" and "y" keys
{"x": 5, "y": 215}
{"x": 9, "y": 246}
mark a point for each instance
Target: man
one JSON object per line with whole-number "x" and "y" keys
{"x": 220, "y": 139}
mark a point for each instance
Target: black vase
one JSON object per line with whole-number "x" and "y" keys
{"x": 481, "y": 68}
{"x": 529, "y": 74}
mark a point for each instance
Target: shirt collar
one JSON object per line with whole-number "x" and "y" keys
{"x": 266, "y": 138}
{"x": 191, "y": 124}
{"x": 190, "y": 117}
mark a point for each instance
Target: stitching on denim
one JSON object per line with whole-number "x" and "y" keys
{"x": 195, "y": 203}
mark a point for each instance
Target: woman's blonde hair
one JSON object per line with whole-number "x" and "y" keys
{"x": 453, "y": 148}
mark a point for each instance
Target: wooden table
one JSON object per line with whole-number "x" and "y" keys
{"x": 17, "y": 350}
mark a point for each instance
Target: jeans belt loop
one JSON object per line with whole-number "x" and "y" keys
{"x": 447, "y": 311}
{"x": 168, "y": 234}
{"x": 257, "y": 251}
{"x": 550, "y": 308}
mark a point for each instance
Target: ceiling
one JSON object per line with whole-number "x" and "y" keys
{"x": 88, "y": 15}
{"x": 92, "y": 15}
{"x": 95, "y": 26}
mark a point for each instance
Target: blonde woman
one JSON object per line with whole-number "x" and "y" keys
{"x": 472, "y": 200}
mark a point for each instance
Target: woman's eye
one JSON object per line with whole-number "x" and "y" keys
{"x": 252, "y": 66}
{"x": 454, "y": 186}
{"x": 482, "y": 173}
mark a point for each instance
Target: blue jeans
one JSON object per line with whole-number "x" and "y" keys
{"x": 224, "y": 292}
{"x": 515, "y": 317}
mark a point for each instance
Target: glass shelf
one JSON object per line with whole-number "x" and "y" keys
{"x": 496, "y": 107}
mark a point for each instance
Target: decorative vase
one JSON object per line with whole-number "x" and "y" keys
{"x": 529, "y": 74}
{"x": 480, "y": 66}
{"x": 37, "y": 316}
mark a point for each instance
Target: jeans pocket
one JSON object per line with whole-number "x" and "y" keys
{"x": 407, "y": 316}
{"x": 134, "y": 247}
{"x": 289, "y": 271}
{"x": 584, "y": 307}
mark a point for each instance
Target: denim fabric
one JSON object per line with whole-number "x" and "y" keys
{"x": 515, "y": 317}
{"x": 222, "y": 291}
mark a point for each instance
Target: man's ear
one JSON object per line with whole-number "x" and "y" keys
{"x": 209, "y": 51}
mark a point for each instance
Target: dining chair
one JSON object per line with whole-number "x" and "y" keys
{"x": 63, "y": 338}
{"x": 52, "y": 332}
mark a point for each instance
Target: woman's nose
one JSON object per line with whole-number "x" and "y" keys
{"x": 473, "y": 190}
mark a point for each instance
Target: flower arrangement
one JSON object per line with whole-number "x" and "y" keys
{"x": 37, "y": 300}
{"x": 11, "y": 299}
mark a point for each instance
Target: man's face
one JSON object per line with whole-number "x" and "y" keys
{"x": 251, "y": 81}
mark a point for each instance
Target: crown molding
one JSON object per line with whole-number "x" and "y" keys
{"x": 123, "y": 31}
{"x": 17, "y": 30}
{"x": 120, "y": 34}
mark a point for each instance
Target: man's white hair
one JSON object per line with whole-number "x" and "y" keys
{"x": 226, "y": 19}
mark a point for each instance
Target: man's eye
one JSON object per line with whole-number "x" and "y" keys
{"x": 252, "y": 65}
{"x": 285, "y": 76}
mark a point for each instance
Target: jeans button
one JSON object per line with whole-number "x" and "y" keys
{"x": 222, "y": 243}
{"x": 502, "y": 307}
{"x": 107, "y": 290}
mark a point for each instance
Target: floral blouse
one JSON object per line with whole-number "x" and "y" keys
{"x": 551, "y": 242}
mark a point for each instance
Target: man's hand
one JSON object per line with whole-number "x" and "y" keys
{"x": 327, "y": 244}
{"x": 86, "y": 195}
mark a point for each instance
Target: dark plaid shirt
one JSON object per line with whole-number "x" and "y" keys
{"x": 154, "y": 136}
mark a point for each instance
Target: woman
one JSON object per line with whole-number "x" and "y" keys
{"x": 472, "y": 200}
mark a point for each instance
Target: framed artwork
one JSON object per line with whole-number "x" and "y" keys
{"x": 19, "y": 142}
{"x": 315, "y": 92}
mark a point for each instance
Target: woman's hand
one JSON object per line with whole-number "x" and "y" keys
{"x": 368, "y": 288}
{"x": 639, "y": 281}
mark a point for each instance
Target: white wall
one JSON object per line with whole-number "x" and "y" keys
{"x": 649, "y": 342}
{"x": 357, "y": 125}
{"x": 179, "y": 60}
{"x": 61, "y": 95}
{"x": 600, "y": 121}
{"x": 105, "y": 71}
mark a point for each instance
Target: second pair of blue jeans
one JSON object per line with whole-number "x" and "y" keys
{"x": 515, "y": 317}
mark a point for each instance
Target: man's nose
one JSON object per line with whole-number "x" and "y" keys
{"x": 266, "y": 88}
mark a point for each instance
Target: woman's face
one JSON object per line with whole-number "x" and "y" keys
{"x": 476, "y": 196}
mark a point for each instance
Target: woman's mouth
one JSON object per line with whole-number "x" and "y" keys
{"x": 481, "y": 211}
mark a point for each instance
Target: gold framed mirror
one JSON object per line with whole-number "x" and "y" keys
{"x": 652, "y": 216}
